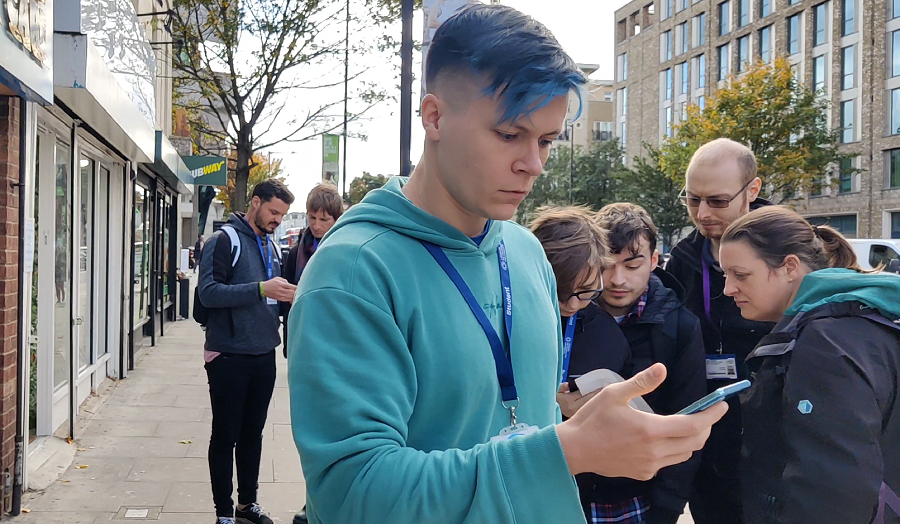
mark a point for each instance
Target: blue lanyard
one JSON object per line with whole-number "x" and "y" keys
{"x": 266, "y": 257}
{"x": 567, "y": 346}
{"x": 315, "y": 244}
{"x": 502, "y": 360}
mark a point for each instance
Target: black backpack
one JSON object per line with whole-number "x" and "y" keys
{"x": 201, "y": 312}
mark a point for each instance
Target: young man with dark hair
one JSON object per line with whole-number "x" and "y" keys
{"x": 647, "y": 304}
{"x": 425, "y": 351}
{"x": 241, "y": 285}
{"x": 721, "y": 186}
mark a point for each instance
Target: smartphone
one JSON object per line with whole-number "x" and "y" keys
{"x": 715, "y": 397}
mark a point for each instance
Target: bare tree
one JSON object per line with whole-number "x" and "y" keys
{"x": 248, "y": 70}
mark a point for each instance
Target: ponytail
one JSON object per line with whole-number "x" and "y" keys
{"x": 775, "y": 232}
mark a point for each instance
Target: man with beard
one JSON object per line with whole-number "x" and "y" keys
{"x": 720, "y": 187}
{"x": 241, "y": 285}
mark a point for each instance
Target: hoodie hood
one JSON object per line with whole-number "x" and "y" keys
{"x": 878, "y": 291}
{"x": 239, "y": 222}
{"x": 388, "y": 207}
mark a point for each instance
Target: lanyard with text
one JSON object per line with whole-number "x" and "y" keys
{"x": 567, "y": 346}
{"x": 266, "y": 257}
{"x": 502, "y": 361}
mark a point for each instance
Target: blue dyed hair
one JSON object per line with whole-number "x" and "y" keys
{"x": 525, "y": 65}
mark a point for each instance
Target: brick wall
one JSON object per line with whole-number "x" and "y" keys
{"x": 9, "y": 270}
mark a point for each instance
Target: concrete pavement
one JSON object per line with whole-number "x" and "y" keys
{"x": 145, "y": 448}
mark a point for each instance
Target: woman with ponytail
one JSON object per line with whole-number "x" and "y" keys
{"x": 821, "y": 440}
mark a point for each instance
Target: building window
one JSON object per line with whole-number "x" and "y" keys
{"x": 724, "y": 19}
{"x": 795, "y": 72}
{"x": 792, "y": 2}
{"x": 668, "y": 8}
{"x": 743, "y": 53}
{"x": 624, "y": 133}
{"x": 684, "y": 38}
{"x": 743, "y": 12}
{"x": 895, "y": 11}
{"x": 895, "y": 53}
{"x": 848, "y": 66}
{"x": 765, "y": 8}
{"x": 701, "y": 71}
{"x": 685, "y": 72}
{"x": 668, "y": 80}
{"x": 820, "y": 20}
{"x": 895, "y": 225}
{"x": 765, "y": 44}
{"x": 624, "y": 101}
{"x": 894, "y": 169}
{"x": 700, "y": 29}
{"x": 793, "y": 34}
{"x": 895, "y": 112}
{"x": 666, "y": 42}
{"x": 847, "y": 134}
{"x": 682, "y": 5}
{"x": 849, "y": 17}
{"x": 845, "y": 224}
{"x": 622, "y": 67}
{"x": 846, "y": 176}
{"x": 668, "y": 121}
{"x": 608, "y": 96}
{"x": 603, "y": 131}
{"x": 819, "y": 74}
{"x": 701, "y": 102}
{"x": 723, "y": 62}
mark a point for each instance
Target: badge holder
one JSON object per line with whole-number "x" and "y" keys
{"x": 513, "y": 430}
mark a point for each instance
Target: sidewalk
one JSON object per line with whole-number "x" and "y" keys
{"x": 145, "y": 448}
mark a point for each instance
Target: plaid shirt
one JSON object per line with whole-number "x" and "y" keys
{"x": 633, "y": 511}
{"x": 638, "y": 308}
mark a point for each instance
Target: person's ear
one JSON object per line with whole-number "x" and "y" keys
{"x": 792, "y": 267}
{"x": 754, "y": 188}
{"x": 432, "y": 110}
{"x": 654, "y": 260}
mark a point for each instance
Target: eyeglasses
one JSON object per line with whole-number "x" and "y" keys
{"x": 589, "y": 294}
{"x": 717, "y": 203}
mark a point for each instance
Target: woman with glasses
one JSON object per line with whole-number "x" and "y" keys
{"x": 578, "y": 250}
{"x": 822, "y": 420}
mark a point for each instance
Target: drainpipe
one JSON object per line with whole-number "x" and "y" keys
{"x": 23, "y": 349}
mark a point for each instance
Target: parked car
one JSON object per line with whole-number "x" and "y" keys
{"x": 875, "y": 252}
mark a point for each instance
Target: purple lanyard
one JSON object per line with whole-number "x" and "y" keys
{"x": 706, "y": 293}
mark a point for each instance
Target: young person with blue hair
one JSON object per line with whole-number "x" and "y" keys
{"x": 425, "y": 351}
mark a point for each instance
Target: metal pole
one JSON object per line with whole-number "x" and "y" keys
{"x": 406, "y": 88}
{"x": 571, "y": 126}
{"x": 346, "y": 82}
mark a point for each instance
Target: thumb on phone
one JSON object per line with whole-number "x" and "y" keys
{"x": 639, "y": 385}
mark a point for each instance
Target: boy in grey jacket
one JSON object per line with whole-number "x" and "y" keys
{"x": 241, "y": 285}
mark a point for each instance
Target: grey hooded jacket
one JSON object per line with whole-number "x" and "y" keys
{"x": 240, "y": 321}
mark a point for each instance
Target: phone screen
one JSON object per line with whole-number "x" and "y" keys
{"x": 723, "y": 393}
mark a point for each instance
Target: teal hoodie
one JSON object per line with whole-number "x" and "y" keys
{"x": 394, "y": 393}
{"x": 880, "y": 291}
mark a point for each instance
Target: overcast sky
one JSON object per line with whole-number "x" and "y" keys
{"x": 583, "y": 27}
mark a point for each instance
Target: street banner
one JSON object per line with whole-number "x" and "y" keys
{"x": 331, "y": 155}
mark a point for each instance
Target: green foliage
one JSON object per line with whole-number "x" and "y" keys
{"x": 779, "y": 118}
{"x": 360, "y": 186}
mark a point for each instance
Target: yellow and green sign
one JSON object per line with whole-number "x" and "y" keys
{"x": 207, "y": 170}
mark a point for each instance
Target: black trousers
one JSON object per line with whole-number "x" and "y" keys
{"x": 715, "y": 499}
{"x": 240, "y": 389}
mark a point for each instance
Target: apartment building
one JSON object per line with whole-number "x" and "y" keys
{"x": 673, "y": 53}
{"x": 595, "y": 123}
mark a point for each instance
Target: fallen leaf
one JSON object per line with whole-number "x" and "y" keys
{"x": 65, "y": 481}
{"x": 80, "y": 449}
{"x": 185, "y": 441}
{"x": 82, "y": 466}
{"x": 26, "y": 510}
{"x": 69, "y": 440}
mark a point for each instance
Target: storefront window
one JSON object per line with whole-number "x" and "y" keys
{"x": 62, "y": 270}
{"x": 86, "y": 264}
{"x": 142, "y": 218}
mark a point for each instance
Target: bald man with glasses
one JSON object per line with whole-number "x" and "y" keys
{"x": 720, "y": 186}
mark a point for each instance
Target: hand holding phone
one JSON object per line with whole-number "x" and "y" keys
{"x": 723, "y": 393}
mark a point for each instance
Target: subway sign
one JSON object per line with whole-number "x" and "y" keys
{"x": 207, "y": 170}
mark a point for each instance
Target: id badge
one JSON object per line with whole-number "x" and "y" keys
{"x": 721, "y": 367}
{"x": 271, "y": 302}
{"x": 511, "y": 432}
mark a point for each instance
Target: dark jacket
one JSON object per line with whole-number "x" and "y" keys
{"x": 240, "y": 321}
{"x": 822, "y": 420}
{"x": 727, "y": 332}
{"x": 298, "y": 257}
{"x": 665, "y": 332}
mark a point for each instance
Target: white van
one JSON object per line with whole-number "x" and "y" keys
{"x": 873, "y": 252}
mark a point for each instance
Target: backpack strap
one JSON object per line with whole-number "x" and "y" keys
{"x": 886, "y": 498}
{"x": 235, "y": 243}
